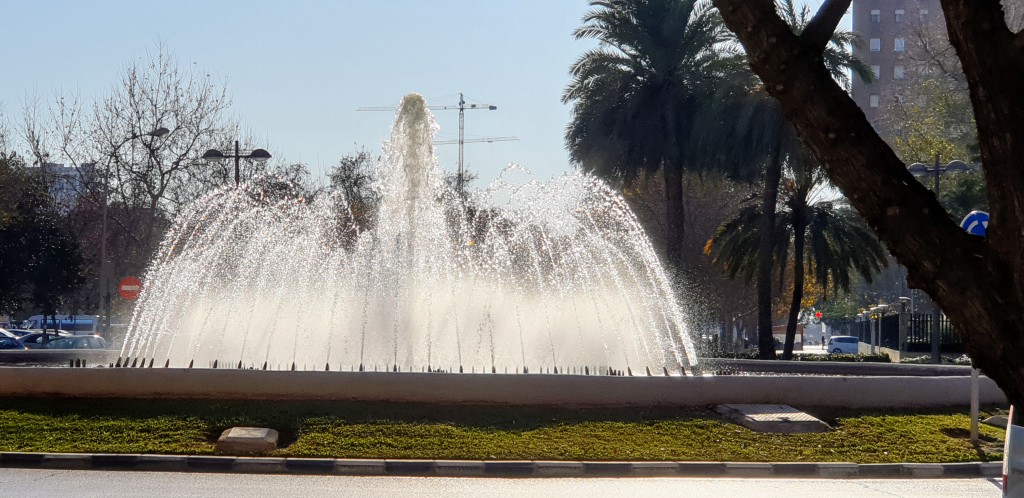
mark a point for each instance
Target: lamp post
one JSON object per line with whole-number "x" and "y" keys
{"x": 904, "y": 323}
{"x": 877, "y": 312}
{"x": 258, "y": 155}
{"x": 919, "y": 169}
{"x": 104, "y": 287}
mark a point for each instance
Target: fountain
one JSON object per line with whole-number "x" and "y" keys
{"x": 550, "y": 277}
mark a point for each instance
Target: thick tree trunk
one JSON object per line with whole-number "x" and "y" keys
{"x": 798, "y": 285}
{"x": 765, "y": 253}
{"x": 979, "y": 283}
{"x": 674, "y": 217}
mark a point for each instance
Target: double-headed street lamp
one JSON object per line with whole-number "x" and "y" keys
{"x": 258, "y": 155}
{"x": 920, "y": 169}
{"x": 104, "y": 287}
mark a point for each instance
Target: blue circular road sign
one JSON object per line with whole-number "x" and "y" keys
{"x": 976, "y": 223}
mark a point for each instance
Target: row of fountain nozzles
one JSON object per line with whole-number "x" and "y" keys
{"x": 135, "y": 363}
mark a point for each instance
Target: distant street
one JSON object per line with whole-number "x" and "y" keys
{"x": 83, "y": 483}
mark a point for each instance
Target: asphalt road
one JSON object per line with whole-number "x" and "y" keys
{"x": 26, "y": 483}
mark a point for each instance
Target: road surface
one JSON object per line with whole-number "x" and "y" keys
{"x": 26, "y": 483}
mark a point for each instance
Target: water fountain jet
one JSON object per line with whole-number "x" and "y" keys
{"x": 548, "y": 273}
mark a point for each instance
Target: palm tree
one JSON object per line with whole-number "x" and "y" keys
{"x": 840, "y": 243}
{"x": 767, "y": 126}
{"x": 637, "y": 96}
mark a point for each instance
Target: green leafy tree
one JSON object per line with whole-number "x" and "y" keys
{"x": 637, "y": 98}
{"x": 933, "y": 122}
{"x": 352, "y": 181}
{"x": 41, "y": 263}
{"x": 962, "y": 193}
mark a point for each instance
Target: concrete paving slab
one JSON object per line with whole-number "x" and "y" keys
{"x": 782, "y": 419}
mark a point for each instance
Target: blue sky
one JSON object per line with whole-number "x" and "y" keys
{"x": 297, "y": 70}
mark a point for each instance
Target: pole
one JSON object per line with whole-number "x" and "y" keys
{"x": 903, "y": 326}
{"x": 974, "y": 404}
{"x": 101, "y": 287}
{"x": 874, "y": 334}
{"x": 936, "y": 335}
{"x": 238, "y": 156}
{"x": 462, "y": 140}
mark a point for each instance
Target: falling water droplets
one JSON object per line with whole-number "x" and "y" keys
{"x": 524, "y": 273}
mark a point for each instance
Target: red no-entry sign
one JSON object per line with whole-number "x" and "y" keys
{"x": 129, "y": 288}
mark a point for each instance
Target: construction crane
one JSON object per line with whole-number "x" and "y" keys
{"x": 462, "y": 108}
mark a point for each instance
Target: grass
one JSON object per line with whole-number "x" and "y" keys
{"x": 382, "y": 430}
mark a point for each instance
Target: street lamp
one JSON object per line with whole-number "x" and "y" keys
{"x": 258, "y": 155}
{"x": 876, "y": 331}
{"x": 104, "y": 287}
{"x": 920, "y": 169}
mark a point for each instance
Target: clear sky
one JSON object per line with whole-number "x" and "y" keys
{"x": 297, "y": 70}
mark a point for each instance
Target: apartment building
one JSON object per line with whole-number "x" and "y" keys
{"x": 68, "y": 183}
{"x": 892, "y": 32}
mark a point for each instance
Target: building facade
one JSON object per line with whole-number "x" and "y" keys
{"x": 68, "y": 183}
{"x": 893, "y": 34}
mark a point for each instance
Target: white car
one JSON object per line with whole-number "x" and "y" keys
{"x": 842, "y": 344}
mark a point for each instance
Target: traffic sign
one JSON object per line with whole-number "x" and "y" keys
{"x": 129, "y": 288}
{"x": 976, "y": 223}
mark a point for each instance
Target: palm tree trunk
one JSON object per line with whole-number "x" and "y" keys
{"x": 674, "y": 218}
{"x": 766, "y": 243}
{"x": 798, "y": 285}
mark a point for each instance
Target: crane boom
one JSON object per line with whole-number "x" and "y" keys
{"x": 477, "y": 140}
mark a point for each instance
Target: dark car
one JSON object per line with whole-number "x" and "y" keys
{"x": 20, "y": 332}
{"x": 36, "y": 340}
{"x": 77, "y": 342}
{"x": 10, "y": 343}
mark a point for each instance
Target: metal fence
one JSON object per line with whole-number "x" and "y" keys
{"x": 919, "y": 330}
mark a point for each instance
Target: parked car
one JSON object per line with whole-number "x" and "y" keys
{"x": 11, "y": 343}
{"x": 842, "y": 344}
{"x": 21, "y": 332}
{"x": 77, "y": 342}
{"x": 37, "y": 339}
{"x": 8, "y": 333}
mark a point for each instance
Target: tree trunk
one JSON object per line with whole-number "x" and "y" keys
{"x": 765, "y": 253}
{"x": 799, "y": 226}
{"x": 674, "y": 217}
{"x": 979, "y": 283}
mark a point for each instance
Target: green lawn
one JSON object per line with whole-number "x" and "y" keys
{"x": 379, "y": 430}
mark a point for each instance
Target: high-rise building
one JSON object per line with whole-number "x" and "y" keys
{"x": 893, "y": 34}
{"x": 68, "y": 183}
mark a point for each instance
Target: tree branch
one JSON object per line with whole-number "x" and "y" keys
{"x": 823, "y": 25}
{"x": 979, "y": 283}
{"x": 863, "y": 166}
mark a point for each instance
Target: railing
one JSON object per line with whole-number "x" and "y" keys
{"x": 919, "y": 330}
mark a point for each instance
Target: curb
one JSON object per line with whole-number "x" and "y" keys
{"x": 493, "y": 468}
